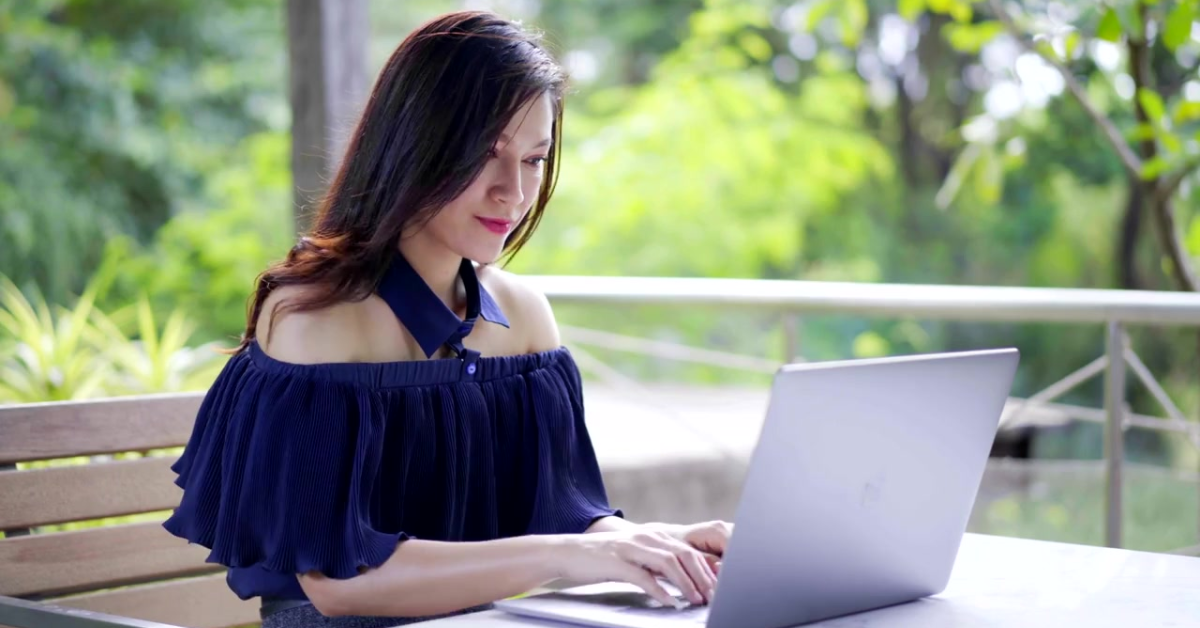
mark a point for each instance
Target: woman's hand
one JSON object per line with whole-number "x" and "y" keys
{"x": 638, "y": 556}
{"x": 710, "y": 538}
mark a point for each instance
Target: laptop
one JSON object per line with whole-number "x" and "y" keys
{"x": 856, "y": 498}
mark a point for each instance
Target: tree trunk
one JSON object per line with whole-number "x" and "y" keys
{"x": 1161, "y": 205}
{"x": 1131, "y": 229}
{"x": 328, "y": 84}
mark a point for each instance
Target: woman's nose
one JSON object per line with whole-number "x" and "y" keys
{"x": 506, "y": 187}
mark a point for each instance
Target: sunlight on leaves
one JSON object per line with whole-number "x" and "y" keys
{"x": 1109, "y": 28}
{"x": 1178, "y": 27}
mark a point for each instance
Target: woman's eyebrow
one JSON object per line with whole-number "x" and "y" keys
{"x": 506, "y": 139}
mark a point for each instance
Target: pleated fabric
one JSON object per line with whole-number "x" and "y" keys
{"x": 328, "y": 467}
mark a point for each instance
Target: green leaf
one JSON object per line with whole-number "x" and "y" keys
{"x": 910, "y": 9}
{"x": 1178, "y": 28}
{"x": 1171, "y": 142}
{"x": 962, "y": 12}
{"x": 853, "y": 17}
{"x": 755, "y": 46}
{"x": 1133, "y": 17}
{"x": 1109, "y": 28}
{"x": 818, "y": 11}
{"x": 1073, "y": 41}
{"x": 1142, "y": 132}
{"x": 971, "y": 38}
{"x": 963, "y": 165}
{"x": 1187, "y": 111}
{"x": 870, "y": 344}
{"x": 146, "y": 328}
{"x": 1193, "y": 236}
{"x": 1152, "y": 104}
{"x": 989, "y": 175}
{"x": 1154, "y": 168}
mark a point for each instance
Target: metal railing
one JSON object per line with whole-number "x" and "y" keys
{"x": 1116, "y": 309}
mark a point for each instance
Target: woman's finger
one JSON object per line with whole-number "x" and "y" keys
{"x": 699, "y": 570}
{"x": 692, "y": 562}
{"x": 695, "y": 564}
{"x": 668, "y": 565}
{"x": 646, "y": 581}
{"x": 714, "y": 562}
{"x": 711, "y": 537}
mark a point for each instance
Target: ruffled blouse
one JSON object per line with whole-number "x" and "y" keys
{"x": 328, "y": 467}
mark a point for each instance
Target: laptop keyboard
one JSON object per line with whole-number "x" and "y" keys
{"x": 692, "y": 614}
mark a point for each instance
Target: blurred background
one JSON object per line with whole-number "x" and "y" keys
{"x": 146, "y": 178}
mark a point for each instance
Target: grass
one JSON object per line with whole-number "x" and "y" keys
{"x": 1064, "y": 501}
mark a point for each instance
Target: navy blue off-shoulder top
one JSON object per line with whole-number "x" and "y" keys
{"x": 328, "y": 467}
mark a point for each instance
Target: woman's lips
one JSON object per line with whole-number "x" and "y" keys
{"x": 495, "y": 225}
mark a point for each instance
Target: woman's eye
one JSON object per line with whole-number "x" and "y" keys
{"x": 536, "y": 161}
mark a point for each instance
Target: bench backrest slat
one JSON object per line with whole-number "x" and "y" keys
{"x": 42, "y": 431}
{"x": 60, "y": 494}
{"x": 135, "y": 570}
{"x": 203, "y": 602}
{"x": 82, "y": 560}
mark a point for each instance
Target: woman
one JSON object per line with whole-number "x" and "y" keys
{"x": 400, "y": 434}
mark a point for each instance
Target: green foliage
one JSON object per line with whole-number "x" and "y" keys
{"x": 706, "y": 145}
{"x": 960, "y": 10}
{"x": 110, "y": 112}
{"x": 46, "y": 354}
{"x": 1065, "y": 503}
{"x": 729, "y": 166}
{"x": 1109, "y": 28}
{"x": 54, "y": 353}
{"x": 714, "y": 169}
{"x": 156, "y": 361}
{"x": 205, "y": 262}
{"x": 1178, "y": 26}
{"x": 971, "y": 37}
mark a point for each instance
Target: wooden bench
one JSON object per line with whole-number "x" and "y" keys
{"x": 127, "y": 575}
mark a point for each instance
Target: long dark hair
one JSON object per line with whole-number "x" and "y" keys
{"x": 437, "y": 108}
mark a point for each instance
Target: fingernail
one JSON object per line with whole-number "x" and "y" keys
{"x": 653, "y": 603}
{"x": 680, "y": 605}
{"x": 711, "y": 594}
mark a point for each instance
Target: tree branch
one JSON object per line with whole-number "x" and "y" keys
{"x": 1130, "y": 160}
{"x": 1169, "y": 185}
{"x": 1171, "y": 89}
{"x": 1161, "y": 205}
{"x": 1184, "y": 275}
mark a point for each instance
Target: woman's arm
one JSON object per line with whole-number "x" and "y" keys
{"x": 424, "y": 578}
{"x": 610, "y": 524}
{"x": 431, "y": 578}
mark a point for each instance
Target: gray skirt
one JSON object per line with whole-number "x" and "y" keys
{"x": 307, "y": 616}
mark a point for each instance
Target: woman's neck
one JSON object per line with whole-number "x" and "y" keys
{"x": 436, "y": 265}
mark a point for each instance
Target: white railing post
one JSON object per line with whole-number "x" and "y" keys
{"x": 791, "y": 335}
{"x": 1114, "y": 426}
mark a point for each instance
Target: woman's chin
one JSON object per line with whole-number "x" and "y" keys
{"x": 483, "y": 254}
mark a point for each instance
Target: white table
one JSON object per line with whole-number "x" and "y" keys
{"x": 1009, "y": 583}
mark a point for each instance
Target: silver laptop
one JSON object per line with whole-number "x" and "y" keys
{"x": 856, "y": 498}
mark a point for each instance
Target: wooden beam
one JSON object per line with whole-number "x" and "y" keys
{"x": 62, "y": 563}
{"x": 61, "y": 429}
{"x": 91, "y": 491}
{"x": 328, "y": 83}
{"x": 204, "y": 602}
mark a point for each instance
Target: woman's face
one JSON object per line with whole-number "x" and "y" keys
{"x": 476, "y": 223}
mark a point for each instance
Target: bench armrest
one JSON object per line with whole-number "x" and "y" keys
{"x": 20, "y": 613}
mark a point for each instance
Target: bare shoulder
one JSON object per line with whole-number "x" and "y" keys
{"x": 527, "y": 308}
{"x": 338, "y": 333}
